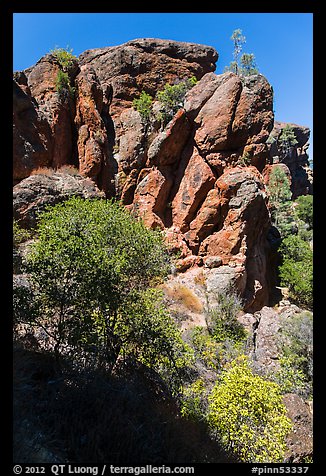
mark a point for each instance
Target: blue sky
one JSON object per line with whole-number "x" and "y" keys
{"x": 281, "y": 42}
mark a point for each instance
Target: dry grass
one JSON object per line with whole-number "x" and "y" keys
{"x": 43, "y": 171}
{"x": 66, "y": 169}
{"x": 200, "y": 278}
{"x": 185, "y": 296}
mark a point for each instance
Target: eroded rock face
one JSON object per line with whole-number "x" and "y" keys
{"x": 300, "y": 440}
{"x": 147, "y": 64}
{"x": 32, "y": 146}
{"x": 58, "y": 109}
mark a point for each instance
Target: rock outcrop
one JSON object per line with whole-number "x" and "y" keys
{"x": 295, "y": 159}
{"x": 300, "y": 440}
{"x": 198, "y": 177}
{"x": 34, "y": 193}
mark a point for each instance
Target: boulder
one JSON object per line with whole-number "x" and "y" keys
{"x": 241, "y": 239}
{"x": 147, "y": 64}
{"x": 199, "y": 94}
{"x": 206, "y": 220}
{"x": 167, "y": 146}
{"x": 214, "y": 120}
{"x": 300, "y": 440}
{"x": 34, "y": 193}
{"x": 57, "y": 109}
{"x": 223, "y": 278}
{"x": 254, "y": 117}
{"x": 131, "y": 153}
{"x": 266, "y": 328}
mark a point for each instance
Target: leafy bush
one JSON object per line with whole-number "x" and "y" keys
{"x": 287, "y": 139}
{"x": 172, "y": 98}
{"x": 144, "y": 106}
{"x": 296, "y": 270}
{"x": 247, "y": 413}
{"x": 206, "y": 348}
{"x": 66, "y": 61}
{"x": 64, "y": 57}
{"x": 91, "y": 272}
{"x": 63, "y": 86}
{"x": 280, "y": 199}
{"x": 192, "y": 400}
{"x": 289, "y": 377}
{"x": 296, "y": 348}
{"x": 19, "y": 234}
{"x": 304, "y": 209}
{"x": 222, "y": 318}
{"x": 214, "y": 354}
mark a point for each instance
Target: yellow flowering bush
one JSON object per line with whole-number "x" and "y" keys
{"x": 247, "y": 413}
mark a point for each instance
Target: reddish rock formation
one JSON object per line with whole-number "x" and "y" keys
{"x": 191, "y": 177}
{"x": 253, "y": 119}
{"x": 151, "y": 197}
{"x": 242, "y": 225}
{"x": 32, "y": 146}
{"x": 95, "y": 159}
{"x": 214, "y": 120}
{"x": 147, "y": 64}
{"x": 166, "y": 148}
{"x": 58, "y": 109}
{"x": 197, "y": 179}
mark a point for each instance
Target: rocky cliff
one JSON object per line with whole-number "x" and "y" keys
{"x": 294, "y": 159}
{"x": 199, "y": 178}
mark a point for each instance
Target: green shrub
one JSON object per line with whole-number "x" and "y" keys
{"x": 91, "y": 272}
{"x": 296, "y": 270}
{"x": 62, "y": 81}
{"x": 296, "y": 349}
{"x": 172, "y": 98}
{"x": 144, "y": 106}
{"x": 248, "y": 65}
{"x": 247, "y": 414}
{"x": 66, "y": 61}
{"x": 304, "y": 210}
{"x": 206, "y": 348}
{"x": 244, "y": 160}
{"x": 279, "y": 191}
{"x": 64, "y": 57}
{"x": 19, "y": 234}
{"x": 222, "y": 318}
{"x": 193, "y": 400}
{"x": 287, "y": 139}
{"x": 289, "y": 377}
